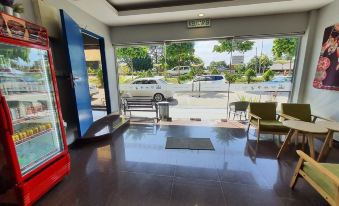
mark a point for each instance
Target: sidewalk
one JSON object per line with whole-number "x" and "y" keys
{"x": 185, "y": 113}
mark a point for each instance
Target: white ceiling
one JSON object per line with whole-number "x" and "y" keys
{"x": 121, "y": 5}
{"x": 106, "y": 13}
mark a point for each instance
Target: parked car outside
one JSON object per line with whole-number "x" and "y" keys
{"x": 179, "y": 70}
{"x": 156, "y": 88}
{"x": 210, "y": 79}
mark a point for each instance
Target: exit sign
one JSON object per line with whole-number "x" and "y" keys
{"x": 198, "y": 23}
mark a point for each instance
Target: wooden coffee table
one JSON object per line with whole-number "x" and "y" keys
{"x": 307, "y": 128}
{"x": 332, "y": 127}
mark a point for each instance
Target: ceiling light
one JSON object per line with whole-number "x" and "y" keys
{"x": 201, "y": 14}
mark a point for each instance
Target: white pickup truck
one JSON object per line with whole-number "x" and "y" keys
{"x": 179, "y": 70}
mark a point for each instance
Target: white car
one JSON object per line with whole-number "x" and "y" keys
{"x": 179, "y": 70}
{"x": 156, "y": 88}
{"x": 210, "y": 79}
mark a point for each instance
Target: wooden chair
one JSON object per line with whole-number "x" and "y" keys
{"x": 323, "y": 177}
{"x": 264, "y": 118}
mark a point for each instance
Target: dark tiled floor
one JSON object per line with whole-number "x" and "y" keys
{"x": 135, "y": 169}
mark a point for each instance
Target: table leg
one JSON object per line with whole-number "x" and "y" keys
{"x": 303, "y": 143}
{"x": 326, "y": 144}
{"x": 311, "y": 145}
{"x": 285, "y": 144}
{"x": 296, "y": 140}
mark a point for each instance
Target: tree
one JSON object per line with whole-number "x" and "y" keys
{"x": 285, "y": 48}
{"x": 127, "y": 54}
{"x": 215, "y": 71}
{"x": 100, "y": 77}
{"x": 196, "y": 71}
{"x": 179, "y": 54}
{"x": 240, "y": 69}
{"x": 232, "y": 45}
{"x": 156, "y": 52}
{"x": 197, "y": 67}
{"x": 250, "y": 73}
{"x": 218, "y": 65}
{"x": 142, "y": 63}
{"x": 197, "y": 62}
{"x": 268, "y": 75}
{"x": 260, "y": 64}
{"x": 264, "y": 63}
{"x": 230, "y": 78}
{"x": 123, "y": 69}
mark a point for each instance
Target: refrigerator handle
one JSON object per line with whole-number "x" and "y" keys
{"x": 7, "y": 114}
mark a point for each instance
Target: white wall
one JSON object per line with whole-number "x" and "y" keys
{"x": 88, "y": 22}
{"x": 303, "y": 60}
{"x": 323, "y": 102}
{"x": 253, "y": 26}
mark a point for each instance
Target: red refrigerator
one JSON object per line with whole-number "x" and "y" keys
{"x": 33, "y": 149}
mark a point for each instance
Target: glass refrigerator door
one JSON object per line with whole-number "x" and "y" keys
{"x": 25, "y": 81}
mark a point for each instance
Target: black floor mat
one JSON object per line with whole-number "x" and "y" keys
{"x": 189, "y": 143}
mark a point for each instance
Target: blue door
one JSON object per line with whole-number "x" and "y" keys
{"x": 76, "y": 59}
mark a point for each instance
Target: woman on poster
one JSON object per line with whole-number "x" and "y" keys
{"x": 327, "y": 74}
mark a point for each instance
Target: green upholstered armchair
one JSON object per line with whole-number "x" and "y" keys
{"x": 298, "y": 112}
{"x": 323, "y": 177}
{"x": 263, "y": 117}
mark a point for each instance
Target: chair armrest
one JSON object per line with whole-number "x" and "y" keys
{"x": 315, "y": 117}
{"x": 319, "y": 167}
{"x": 253, "y": 115}
{"x": 288, "y": 117}
{"x": 277, "y": 115}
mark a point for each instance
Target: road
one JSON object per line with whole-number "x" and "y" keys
{"x": 218, "y": 100}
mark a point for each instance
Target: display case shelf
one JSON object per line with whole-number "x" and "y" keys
{"x": 27, "y": 96}
{"x": 27, "y": 139}
{"x": 20, "y": 72}
{"x": 43, "y": 157}
{"x": 36, "y": 116}
{"x": 26, "y": 91}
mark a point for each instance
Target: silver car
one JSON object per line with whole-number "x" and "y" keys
{"x": 179, "y": 70}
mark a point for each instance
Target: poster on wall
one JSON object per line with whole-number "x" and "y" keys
{"x": 327, "y": 74}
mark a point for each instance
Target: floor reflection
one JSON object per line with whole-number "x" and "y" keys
{"x": 134, "y": 168}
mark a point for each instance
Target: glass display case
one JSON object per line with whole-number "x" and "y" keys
{"x": 26, "y": 84}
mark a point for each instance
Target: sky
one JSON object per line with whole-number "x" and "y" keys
{"x": 204, "y": 50}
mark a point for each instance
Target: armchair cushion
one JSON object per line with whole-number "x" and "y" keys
{"x": 266, "y": 111}
{"x": 299, "y": 111}
{"x": 323, "y": 181}
{"x": 270, "y": 125}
